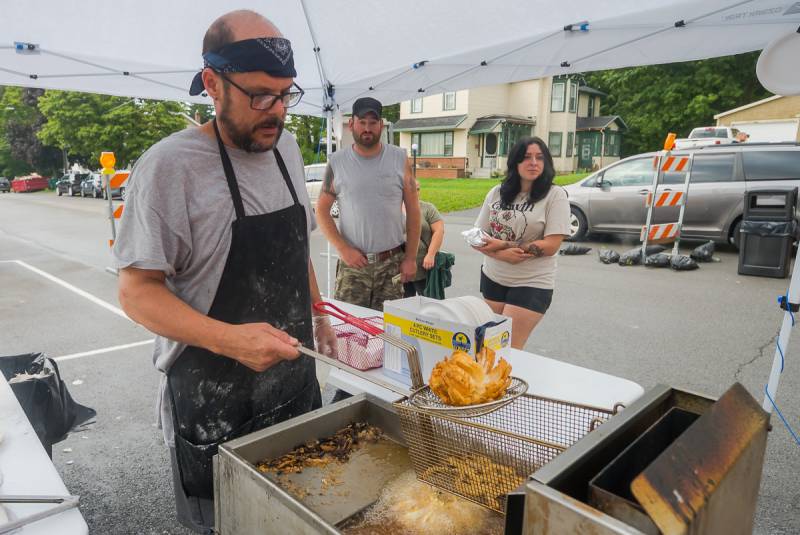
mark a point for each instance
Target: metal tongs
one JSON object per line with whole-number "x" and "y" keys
{"x": 64, "y": 503}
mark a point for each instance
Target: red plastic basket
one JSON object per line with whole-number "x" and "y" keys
{"x": 358, "y": 349}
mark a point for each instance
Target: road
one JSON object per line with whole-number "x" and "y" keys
{"x": 699, "y": 331}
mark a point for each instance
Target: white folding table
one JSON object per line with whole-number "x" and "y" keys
{"x": 546, "y": 377}
{"x": 27, "y": 470}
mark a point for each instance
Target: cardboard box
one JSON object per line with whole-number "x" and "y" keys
{"x": 434, "y": 338}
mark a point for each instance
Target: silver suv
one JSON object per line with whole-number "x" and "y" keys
{"x": 612, "y": 200}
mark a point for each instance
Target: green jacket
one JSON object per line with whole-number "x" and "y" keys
{"x": 439, "y": 277}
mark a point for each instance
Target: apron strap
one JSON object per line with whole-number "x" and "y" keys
{"x": 230, "y": 176}
{"x": 285, "y": 174}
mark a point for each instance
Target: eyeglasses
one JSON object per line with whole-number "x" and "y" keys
{"x": 265, "y": 101}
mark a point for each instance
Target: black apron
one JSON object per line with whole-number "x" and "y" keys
{"x": 215, "y": 398}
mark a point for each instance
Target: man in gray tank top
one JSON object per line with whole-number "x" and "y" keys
{"x": 371, "y": 182}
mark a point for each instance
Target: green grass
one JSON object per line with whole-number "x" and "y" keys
{"x": 453, "y": 194}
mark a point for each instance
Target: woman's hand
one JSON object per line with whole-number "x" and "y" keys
{"x": 428, "y": 261}
{"x": 493, "y": 245}
{"x": 515, "y": 255}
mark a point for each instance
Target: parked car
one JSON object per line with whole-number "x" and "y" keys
{"x": 708, "y": 135}
{"x": 5, "y": 184}
{"x": 70, "y": 184}
{"x": 92, "y": 186}
{"x": 612, "y": 200}
{"x": 315, "y": 173}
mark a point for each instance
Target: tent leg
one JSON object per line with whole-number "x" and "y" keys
{"x": 783, "y": 338}
{"x": 328, "y": 151}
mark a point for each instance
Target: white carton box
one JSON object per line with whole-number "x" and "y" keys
{"x": 434, "y": 338}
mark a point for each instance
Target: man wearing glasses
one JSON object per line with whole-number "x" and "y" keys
{"x": 213, "y": 253}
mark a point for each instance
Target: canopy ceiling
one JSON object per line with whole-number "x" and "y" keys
{"x": 389, "y": 50}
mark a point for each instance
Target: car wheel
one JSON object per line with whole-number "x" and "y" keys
{"x": 577, "y": 224}
{"x": 335, "y": 209}
{"x": 60, "y": 193}
{"x": 736, "y": 235}
{"x": 83, "y": 194}
{"x": 123, "y": 194}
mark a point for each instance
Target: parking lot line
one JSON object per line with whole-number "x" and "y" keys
{"x": 103, "y": 350}
{"x": 70, "y": 287}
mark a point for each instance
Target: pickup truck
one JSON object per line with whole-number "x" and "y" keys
{"x": 708, "y": 135}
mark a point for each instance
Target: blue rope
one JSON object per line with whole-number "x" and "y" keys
{"x": 784, "y": 300}
{"x": 775, "y": 406}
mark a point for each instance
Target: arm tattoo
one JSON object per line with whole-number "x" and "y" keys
{"x": 532, "y": 248}
{"x": 327, "y": 183}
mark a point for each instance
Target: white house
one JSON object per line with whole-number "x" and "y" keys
{"x": 469, "y": 132}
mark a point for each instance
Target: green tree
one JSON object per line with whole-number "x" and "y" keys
{"x": 676, "y": 97}
{"x": 202, "y": 111}
{"x": 21, "y": 150}
{"x": 309, "y": 131}
{"x": 86, "y": 124}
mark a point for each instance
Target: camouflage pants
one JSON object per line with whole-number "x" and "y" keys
{"x": 371, "y": 285}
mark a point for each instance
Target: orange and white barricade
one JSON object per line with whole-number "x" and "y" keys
{"x": 666, "y": 162}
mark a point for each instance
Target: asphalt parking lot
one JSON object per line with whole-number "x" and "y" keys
{"x": 698, "y": 331}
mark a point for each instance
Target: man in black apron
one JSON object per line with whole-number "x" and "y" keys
{"x": 235, "y": 369}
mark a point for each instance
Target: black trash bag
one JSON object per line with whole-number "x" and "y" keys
{"x": 683, "y": 262}
{"x": 633, "y": 257}
{"x": 703, "y": 253}
{"x": 608, "y": 256}
{"x": 574, "y": 249}
{"x": 44, "y": 397}
{"x": 653, "y": 249}
{"x": 657, "y": 260}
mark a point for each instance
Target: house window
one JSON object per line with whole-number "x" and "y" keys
{"x": 434, "y": 143}
{"x": 589, "y": 112}
{"x": 573, "y": 97}
{"x": 554, "y": 143}
{"x": 511, "y": 134}
{"x": 612, "y": 144}
{"x": 570, "y": 141}
{"x": 416, "y": 105}
{"x": 557, "y": 98}
{"x": 449, "y": 101}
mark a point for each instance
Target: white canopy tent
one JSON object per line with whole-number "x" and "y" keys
{"x": 389, "y": 50}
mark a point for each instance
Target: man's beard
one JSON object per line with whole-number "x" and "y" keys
{"x": 367, "y": 144}
{"x": 244, "y": 139}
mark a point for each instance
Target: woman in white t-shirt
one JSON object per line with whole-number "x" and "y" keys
{"x": 526, "y": 217}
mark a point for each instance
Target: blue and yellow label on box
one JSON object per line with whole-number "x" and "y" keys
{"x": 428, "y": 333}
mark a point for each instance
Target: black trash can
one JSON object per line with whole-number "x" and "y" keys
{"x": 767, "y": 232}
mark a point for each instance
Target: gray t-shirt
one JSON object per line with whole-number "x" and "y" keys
{"x": 524, "y": 221}
{"x": 370, "y": 195}
{"x": 178, "y": 215}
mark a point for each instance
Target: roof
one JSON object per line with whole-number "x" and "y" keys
{"x": 591, "y": 91}
{"x": 599, "y": 123}
{"x": 429, "y": 123}
{"x": 488, "y": 123}
{"x": 746, "y": 106}
{"x": 483, "y": 126}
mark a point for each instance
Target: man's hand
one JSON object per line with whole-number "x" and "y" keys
{"x": 515, "y": 255}
{"x": 257, "y": 345}
{"x": 353, "y": 257}
{"x": 408, "y": 269}
{"x": 325, "y": 337}
{"x": 428, "y": 262}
